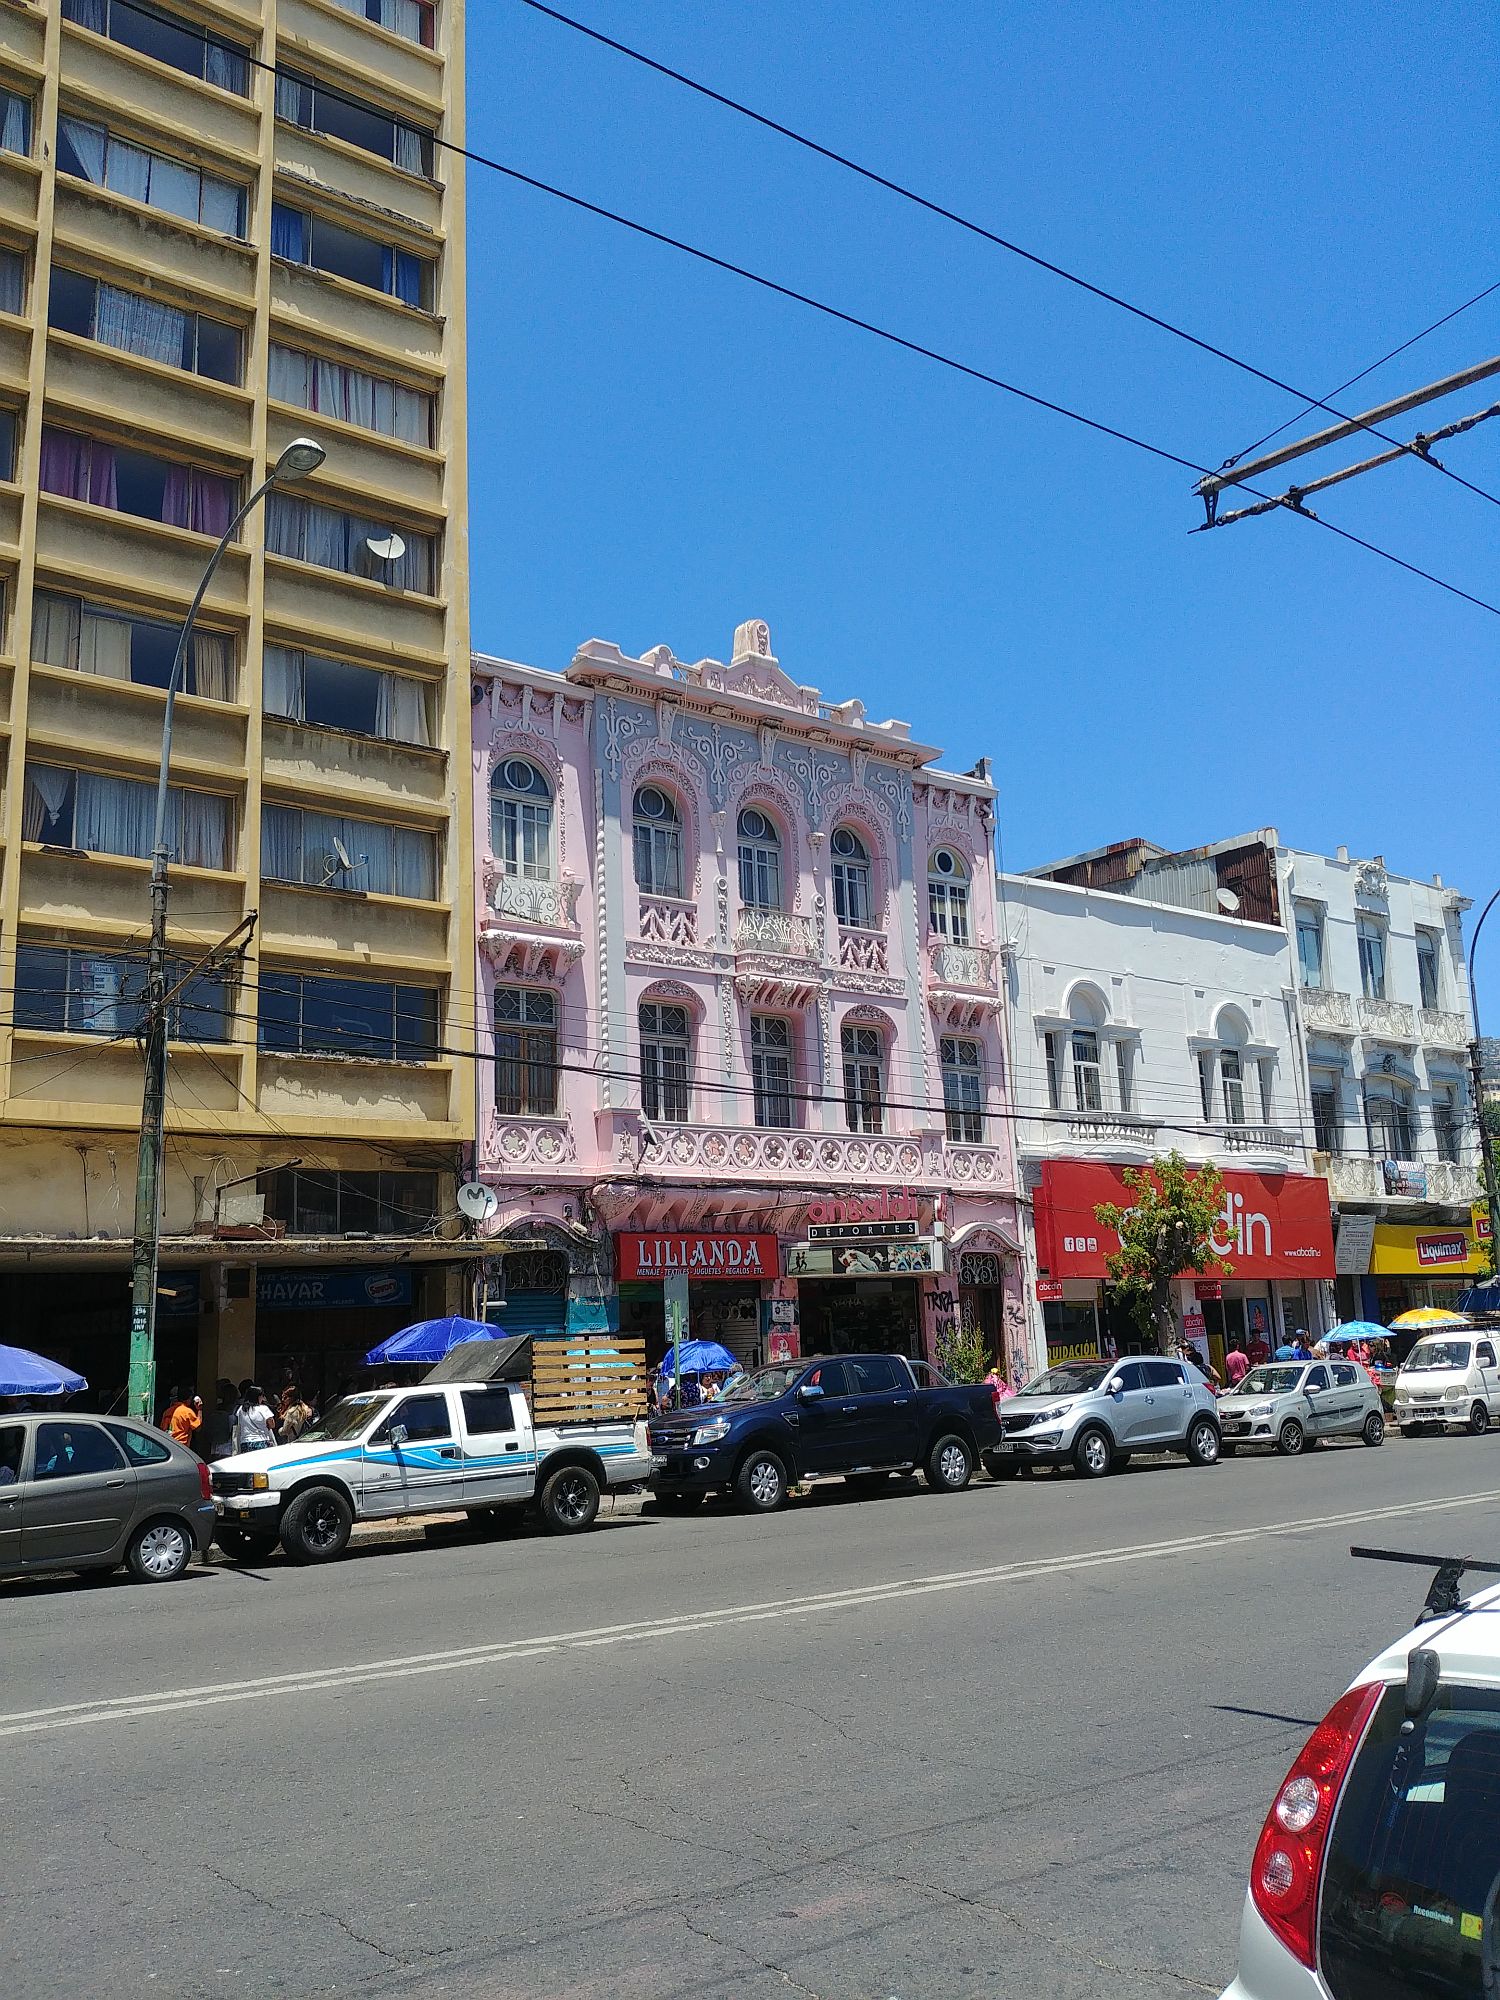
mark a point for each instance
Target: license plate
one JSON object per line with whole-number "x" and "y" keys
{"x": 1006, "y": 1445}
{"x": 658, "y": 1461}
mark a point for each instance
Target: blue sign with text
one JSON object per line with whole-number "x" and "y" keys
{"x": 314, "y": 1291}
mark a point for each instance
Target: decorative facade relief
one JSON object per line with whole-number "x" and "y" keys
{"x": 893, "y": 783}
{"x": 620, "y": 725}
{"x": 721, "y": 750}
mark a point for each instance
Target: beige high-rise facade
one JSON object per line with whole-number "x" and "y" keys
{"x": 225, "y": 224}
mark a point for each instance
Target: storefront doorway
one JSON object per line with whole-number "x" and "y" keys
{"x": 861, "y": 1315}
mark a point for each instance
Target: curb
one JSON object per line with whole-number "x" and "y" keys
{"x": 451, "y": 1526}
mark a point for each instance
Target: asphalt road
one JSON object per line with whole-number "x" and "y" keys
{"x": 1014, "y": 1742}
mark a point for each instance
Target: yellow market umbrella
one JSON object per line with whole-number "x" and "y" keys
{"x": 1428, "y": 1316}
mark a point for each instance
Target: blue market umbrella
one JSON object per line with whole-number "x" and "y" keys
{"x": 427, "y": 1340}
{"x": 1481, "y": 1298}
{"x": 699, "y": 1357}
{"x": 23, "y": 1373}
{"x": 1355, "y": 1329}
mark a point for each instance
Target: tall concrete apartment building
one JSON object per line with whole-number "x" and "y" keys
{"x": 225, "y": 224}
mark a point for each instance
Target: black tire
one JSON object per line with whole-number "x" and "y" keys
{"x": 950, "y": 1464}
{"x": 1093, "y": 1452}
{"x": 1291, "y": 1439}
{"x": 1374, "y": 1428}
{"x": 1002, "y": 1468}
{"x": 569, "y": 1500}
{"x": 315, "y": 1527}
{"x": 760, "y": 1484}
{"x": 160, "y": 1551}
{"x": 1479, "y": 1420}
{"x": 243, "y": 1547}
{"x": 1203, "y": 1444}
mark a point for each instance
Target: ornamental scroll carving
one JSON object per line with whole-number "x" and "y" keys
{"x": 814, "y": 770}
{"x": 720, "y": 750}
{"x": 620, "y": 725}
{"x": 893, "y": 783}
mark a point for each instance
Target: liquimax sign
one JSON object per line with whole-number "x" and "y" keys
{"x": 1271, "y": 1225}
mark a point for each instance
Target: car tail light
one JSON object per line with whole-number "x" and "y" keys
{"x": 1288, "y": 1865}
{"x": 205, "y": 1480}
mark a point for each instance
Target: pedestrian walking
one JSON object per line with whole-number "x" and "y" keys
{"x": 254, "y": 1426}
{"x": 184, "y": 1419}
{"x": 1236, "y": 1365}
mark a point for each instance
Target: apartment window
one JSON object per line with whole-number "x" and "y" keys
{"x": 15, "y": 123}
{"x": 12, "y": 282}
{"x": 1389, "y": 1122}
{"x": 657, "y": 827}
{"x": 91, "y": 153}
{"x": 864, "y": 1078}
{"x": 325, "y": 851}
{"x": 1446, "y": 1124}
{"x": 350, "y": 395}
{"x": 1327, "y": 1124}
{"x": 116, "y": 646}
{"x": 9, "y": 427}
{"x": 333, "y": 694}
{"x": 666, "y": 1050}
{"x": 963, "y": 1089}
{"x": 80, "y": 990}
{"x": 1052, "y": 1050}
{"x": 1371, "y": 958}
{"x": 525, "y": 1052}
{"x": 309, "y": 1014}
{"x": 334, "y": 114}
{"x": 309, "y": 533}
{"x": 521, "y": 820}
{"x": 760, "y": 861}
{"x": 1221, "y": 1080}
{"x": 1125, "y": 1075}
{"x": 413, "y": 19}
{"x": 1088, "y": 1082}
{"x": 166, "y": 39}
{"x": 1264, "y": 1076}
{"x": 134, "y": 324}
{"x": 1309, "y": 945}
{"x": 324, "y": 245}
{"x": 101, "y": 815}
{"x": 851, "y": 879}
{"x": 1427, "y": 967}
{"x": 948, "y": 897}
{"x": 771, "y": 1069}
{"x": 136, "y": 482}
{"x": 313, "y": 1203}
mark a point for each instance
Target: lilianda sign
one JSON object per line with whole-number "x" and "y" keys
{"x": 698, "y": 1254}
{"x": 1271, "y": 1225}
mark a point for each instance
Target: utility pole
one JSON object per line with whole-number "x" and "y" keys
{"x": 301, "y": 456}
{"x": 1476, "y": 1073}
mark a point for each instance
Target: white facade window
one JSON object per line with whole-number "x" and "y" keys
{"x": 1389, "y": 1122}
{"x": 1125, "y": 1075}
{"x": 760, "y": 861}
{"x": 1427, "y": 967}
{"x": 1327, "y": 1123}
{"x": 666, "y": 1054}
{"x": 851, "y": 879}
{"x": 1447, "y": 1124}
{"x": 1052, "y": 1046}
{"x": 1371, "y": 957}
{"x": 1221, "y": 1083}
{"x": 658, "y": 843}
{"x": 1309, "y": 945}
{"x": 864, "y": 1078}
{"x": 1265, "y": 1071}
{"x": 963, "y": 1089}
{"x": 521, "y": 820}
{"x": 1088, "y": 1082}
{"x": 771, "y": 1069}
{"x": 948, "y": 897}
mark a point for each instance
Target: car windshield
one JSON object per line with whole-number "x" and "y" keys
{"x": 1074, "y": 1380}
{"x": 1270, "y": 1382}
{"x": 347, "y": 1417}
{"x": 1438, "y": 1354}
{"x": 764, "y": 1386}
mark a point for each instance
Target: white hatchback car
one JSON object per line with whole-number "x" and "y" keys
{"x": 1377, "y": 1873}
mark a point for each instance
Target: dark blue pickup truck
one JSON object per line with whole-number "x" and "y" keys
{"x": 861, "y": 1416}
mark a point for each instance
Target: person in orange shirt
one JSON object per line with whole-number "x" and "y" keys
{"x": 183, "y": 1419}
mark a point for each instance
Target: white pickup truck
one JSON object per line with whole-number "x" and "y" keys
{"x": 432, "y": 1449}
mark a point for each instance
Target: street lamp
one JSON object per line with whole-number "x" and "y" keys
{"x": 301, "y": 456}
{"x": 1476, "y": 1072}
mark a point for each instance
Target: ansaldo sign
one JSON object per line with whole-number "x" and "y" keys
{"x": 1271, "y": 1225}
{"x": 697, "y": 1254}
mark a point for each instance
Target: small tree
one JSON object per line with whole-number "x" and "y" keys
{"x": 1167, "y": 1229}
{"x": 962, "y": 1353}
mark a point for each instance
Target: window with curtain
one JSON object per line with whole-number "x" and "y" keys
{"x": 1327, "y": 1122}
{"x": 1389, "y": 1122}
{"x": 136, "y": 482}
{"x": 666, "y": 1054}
{"x": 1309, "y": 946}
{"x": 306, "y": 1013}
{"x": 658, "y": 842}
{"x": 328, "y": 851}
{"x": 324, "y": 245}
{"x": 135, "y": 324}
{"x": 314, "y": 534}
{"x": 153, "y": 32}
{"x": 851, "y": 879}
{"x": 771, "y": 1069}
{"x": 863, "y": 1050}
{"x": 963, "y": 1088}
{"x": 1427, "y": 967}
{"x": 525, "y": 1052}
{"x": 9, "y": 430}
{"x": 12, "y": 282}
{"x": 1371, "y": 934}
{"x": 350, "y": 395}
{"x": 84, "y": 990}
{"x": 114, "y": 645}
{"x": 93, "y": 153}
{"x": 15, "y": 122}
{"x": 948, "y": 897}
{"x": 760, "y": 860}
{"x": 335, "y": 114}
{"x": 414, "y": 20}
{"x": 104, "y": 815}
{"x": 334, "y": 694}
{"x": 521, "y": 820}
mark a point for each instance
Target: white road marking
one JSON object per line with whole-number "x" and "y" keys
{"x": 321, "y": 1680}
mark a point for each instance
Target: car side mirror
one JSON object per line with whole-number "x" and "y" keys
{"x": 810, "y": 1392}
{"x": 396, "y": 1434}
{"x": 1115, "y": 1388}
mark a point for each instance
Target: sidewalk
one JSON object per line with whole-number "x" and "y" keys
{"x": 454, "y": 1526}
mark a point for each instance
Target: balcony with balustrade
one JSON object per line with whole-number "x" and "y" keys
{"x": 1326, "y": 1011}
{"x": 961, "y": 981}
{"x": 1113, "y": 1128}
{"x": 1356, "y": 1177}
{"x": 1438, "y": 1029}
{"x": 1259, "y": 1139}
{"x": 732, "y": 1152}
{"x": 530, "y": 929}
{"x": 1387, "y": 1020}
{"x": 667, "y": 920}
{"x": 778, "y": 959}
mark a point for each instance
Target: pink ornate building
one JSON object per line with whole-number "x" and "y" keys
{"x": 738, "y": 974}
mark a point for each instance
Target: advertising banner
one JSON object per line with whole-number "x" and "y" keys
{"x": 1272, "y": 1225}
{"x": 1404, "y": 1249}
{"x": 319, "y": 1291}
{"x": 697, "y": 1254}
{"x": 864, "y": 1260}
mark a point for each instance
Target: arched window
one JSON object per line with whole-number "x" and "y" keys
{"x": 948, "y": 896}
{"x": 1225, "y": 1074}
{"x": 521, "y": 820}
{"x": 760, "y": 861}
{"x": 658, "y": 843}
{"x": 864, "y": 1077}
{"x": 851, "y": 879}
{"x": 666, "y": 1058}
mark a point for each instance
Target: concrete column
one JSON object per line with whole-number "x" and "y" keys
{"x": 226, "y": 1329}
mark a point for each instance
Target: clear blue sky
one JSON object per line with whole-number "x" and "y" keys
{"x": 660, "y": 451}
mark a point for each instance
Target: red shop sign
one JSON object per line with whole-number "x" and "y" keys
{"x": 1049, "y": 1290}
{"x": 1272, "y": 1225}
{"x": 1450, "y": 1248}
{"x": 698, "y": 1254}
{"x": 1208, "y": 1288}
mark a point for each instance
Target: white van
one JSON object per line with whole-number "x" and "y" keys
{"x": 1449, "y": 1381}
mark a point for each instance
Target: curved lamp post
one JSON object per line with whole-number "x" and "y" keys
{"x": 301, "y": 456}
{"x": 1476, "y": 1072}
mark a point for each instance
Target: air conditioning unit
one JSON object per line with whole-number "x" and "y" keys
{"x": 241, "y": 1211}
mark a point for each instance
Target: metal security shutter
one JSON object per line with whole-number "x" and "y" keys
{"x": 542, "y": 1314}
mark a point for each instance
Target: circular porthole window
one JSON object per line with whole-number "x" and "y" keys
{"x": 946, "y": 862}
{"x": 652, "y": 803}
{"x": 846, "y": 845}
{"x": 523, "y": 777}
{"x": 755, "y": 826}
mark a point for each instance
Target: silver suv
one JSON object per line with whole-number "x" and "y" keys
{"x": 1095, "y": 1414}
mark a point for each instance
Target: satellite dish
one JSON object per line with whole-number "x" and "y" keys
{"x": 1229, "y": 902}
{"x": 391, "y": 549}
{"x": 477, "y": 1201}
{"x": 343, "y": 853}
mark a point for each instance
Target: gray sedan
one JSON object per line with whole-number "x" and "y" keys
{"x": 89, "y": 1493}
{"x": 1289, "y": 1405}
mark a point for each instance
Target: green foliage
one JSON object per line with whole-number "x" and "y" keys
{"x": 961, "y": 1353}
{"x": 1165, "y": 1230}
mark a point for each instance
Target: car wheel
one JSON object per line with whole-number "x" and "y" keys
{"x": 950, "y": 1464}
{"x": 570, "y": 1500}
{"x": 1374, "y": 1430}
{"x": 241, "y": 1546}
{"x": 159, "y": 1552}
{"x": 315, "y": 1527}
{"x": 1203, "y": 1442}
{"x": 1479, "y": 1420}
{"x": 1291, "y": 1439}
{"x": 1093, "y": 1453}
{"x": 760, "y": 1487}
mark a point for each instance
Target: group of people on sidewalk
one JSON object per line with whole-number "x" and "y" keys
{"x": 242, "y": 1420}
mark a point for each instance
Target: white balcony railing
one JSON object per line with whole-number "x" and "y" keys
{"x": 549, "y": 905}
{"x": 777, "y": 934}
{"x": 1390, "y": 1020}
{"x": 1323, "y": 1007}
{"x": 1114, "y": 1127}
{"x": 729, "y": 1150}
{"x": 527, "y": 1142}
{"x": 1442, "y": 1030}
{"x": 1355, "y": 1179}
{"x": 1450, "y": 1180}
{"x": 968, "y": 968}
{"x": 1259, "y": 1139}
{"x": 864, "y": 951}
{"x": 668, "y": 920}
